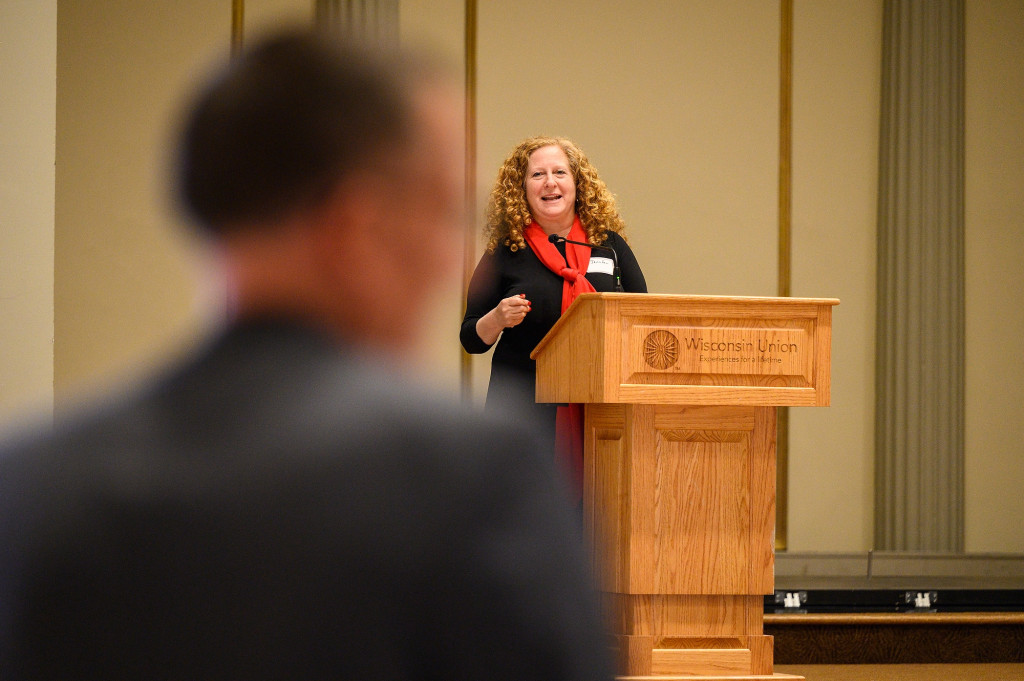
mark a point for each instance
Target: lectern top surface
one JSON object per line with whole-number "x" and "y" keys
{"x": 685, "y": 297}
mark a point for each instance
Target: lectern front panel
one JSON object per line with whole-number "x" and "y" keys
{"x": 682, "y": 498}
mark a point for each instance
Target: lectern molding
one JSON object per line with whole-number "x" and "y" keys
{"x": 675, "y": 349}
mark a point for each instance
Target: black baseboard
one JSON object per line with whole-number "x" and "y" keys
{"x": 908, "y": 600}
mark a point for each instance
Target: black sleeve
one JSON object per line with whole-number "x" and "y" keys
{"x": 632, "y": 276}
{"x": 483, "y": 295}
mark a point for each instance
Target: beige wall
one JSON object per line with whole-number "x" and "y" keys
{"x": 438, "y": 27}
{"x": 259, "y": 15}
{"x": 836, "y": 94}
{"x": 677, "y": 105}
{"x": 28, "y": 55}
{"x": 123, "y": 278}
{"x": 994, "y": 209}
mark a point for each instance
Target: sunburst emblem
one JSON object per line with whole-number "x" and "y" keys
{"x": 661, "y": 349}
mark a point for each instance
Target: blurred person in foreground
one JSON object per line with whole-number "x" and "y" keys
{"x": 282, "y": 504}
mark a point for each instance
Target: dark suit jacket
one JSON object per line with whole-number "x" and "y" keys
{"x": 277, "y": 509}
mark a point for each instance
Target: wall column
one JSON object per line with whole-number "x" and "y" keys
{"x": 919, "y": 431}
{"x": 373, "y": 21}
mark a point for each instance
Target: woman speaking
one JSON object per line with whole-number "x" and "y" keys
{"x": 547, "y": 195}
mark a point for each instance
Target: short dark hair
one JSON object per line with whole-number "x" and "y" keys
{"x": 283, "y": 124}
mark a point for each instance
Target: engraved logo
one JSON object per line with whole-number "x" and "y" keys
{"x": 661, "y": 349}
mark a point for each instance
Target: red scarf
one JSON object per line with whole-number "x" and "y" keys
{"x": 569, "y": 418}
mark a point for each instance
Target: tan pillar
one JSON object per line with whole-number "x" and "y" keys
{"x": 920, "y": 343}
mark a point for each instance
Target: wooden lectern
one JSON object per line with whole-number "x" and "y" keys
{"x": 679, "y": 464}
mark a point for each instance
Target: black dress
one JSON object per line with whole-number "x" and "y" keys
{"x": 502, "y": 274}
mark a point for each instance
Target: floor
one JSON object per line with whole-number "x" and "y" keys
{"x": 906, "y": 672}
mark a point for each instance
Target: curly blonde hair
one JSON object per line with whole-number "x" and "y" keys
{"x": 508, "y": 213}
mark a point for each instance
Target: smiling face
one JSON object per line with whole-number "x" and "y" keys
{"x": 550, "y": 189}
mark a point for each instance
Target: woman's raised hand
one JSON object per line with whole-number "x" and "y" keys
{"x": 512, "y": 310}
{"x": 508, "y": 313}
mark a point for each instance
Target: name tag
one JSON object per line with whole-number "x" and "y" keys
{"x": 600, "y": 265}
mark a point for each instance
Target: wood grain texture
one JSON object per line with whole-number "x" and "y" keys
{"x": 701, "y": 616}
{"x": 746, "y": 657}
{"x": 697, "y": 661}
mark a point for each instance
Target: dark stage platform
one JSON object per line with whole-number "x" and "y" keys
{"x": 897, "y": 609}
